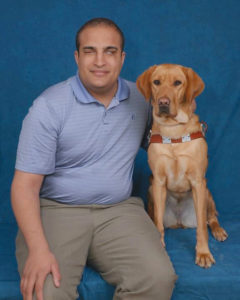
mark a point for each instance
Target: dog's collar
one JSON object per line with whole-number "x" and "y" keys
{"x": 157, "y": 138}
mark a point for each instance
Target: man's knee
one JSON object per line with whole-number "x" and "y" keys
{"x": 163, "y": 282}
{"x": 154, "y": 283}
{"x": 64, "y": 292}
{"x": 160, "y": 280}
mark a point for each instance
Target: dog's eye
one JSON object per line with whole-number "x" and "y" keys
{"x": 177, "y": 82}
{"x": 156, "y": 82}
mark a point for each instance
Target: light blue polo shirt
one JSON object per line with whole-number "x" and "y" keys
{"x": 85, "y": 150}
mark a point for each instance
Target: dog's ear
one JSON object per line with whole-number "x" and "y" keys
{"x": 195, "y": 84}
{"x": 144, "y": 84}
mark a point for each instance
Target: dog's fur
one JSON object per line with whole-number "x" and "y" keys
{"x": 179, "y": 169}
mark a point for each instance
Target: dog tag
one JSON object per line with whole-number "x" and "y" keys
{"x": 166, "y": 140}
{"x": 186, "y": 138}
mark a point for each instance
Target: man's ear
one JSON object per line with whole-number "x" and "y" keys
{"x": 76, "y": 56}
{"x": 144, "y": 84}
{"x": 123, "y": 55}
{"x": 195, "y": 84}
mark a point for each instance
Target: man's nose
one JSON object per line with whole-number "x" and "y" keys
{"x": 99, "y": 59}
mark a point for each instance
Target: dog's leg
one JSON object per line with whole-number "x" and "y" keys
{"x": 204, "y": 257}
{"x": 217, "y": 231}
{"x": 159, "y": 199}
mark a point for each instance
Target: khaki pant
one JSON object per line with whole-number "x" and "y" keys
{"x": 119, "y": 241}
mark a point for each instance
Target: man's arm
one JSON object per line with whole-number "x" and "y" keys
{"x": 40, "y": 262}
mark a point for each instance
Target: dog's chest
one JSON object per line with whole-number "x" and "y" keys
{"x": 170, "y": 164}
{"x": 176, "y": 173}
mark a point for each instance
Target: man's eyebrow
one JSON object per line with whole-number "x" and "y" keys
{"x": 88, "y": 48}
{"x": 111, "y": 48}
{"x": 106, "y": 48}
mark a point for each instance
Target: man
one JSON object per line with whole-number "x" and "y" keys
{"x": 76, "y": 150}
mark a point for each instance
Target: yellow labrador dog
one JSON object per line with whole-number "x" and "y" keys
{"x": 177, "y": 156}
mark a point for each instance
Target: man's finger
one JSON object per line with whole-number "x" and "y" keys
{"x": 39, "y": 287}
{"x": 28, "y": 287}
{"x": 56, "y": 274}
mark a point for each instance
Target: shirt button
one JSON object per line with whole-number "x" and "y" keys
{"x": 104, "y": 118}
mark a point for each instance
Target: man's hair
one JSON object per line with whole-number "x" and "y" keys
{"x": 98, "y": 21}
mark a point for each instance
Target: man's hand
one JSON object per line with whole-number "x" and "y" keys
{"x": 37, "y": 267}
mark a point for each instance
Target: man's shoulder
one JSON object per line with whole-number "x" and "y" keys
{"x": 57, "y": 93}
{"x": 135, "y": 94}
{"x": 56, "y": 101}
{"x": 130, "y": 84}
{"x": 133, "y": 88}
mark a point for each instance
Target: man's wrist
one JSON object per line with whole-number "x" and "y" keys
{"x": 37, "y": 245}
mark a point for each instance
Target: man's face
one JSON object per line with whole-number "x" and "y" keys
{"x": 99, "y": 58}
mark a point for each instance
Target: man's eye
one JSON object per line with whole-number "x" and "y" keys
{"x": 111, "y": 52}
{"x": 177, "y": 82}
{"x": 156, "y": 82}
{"x": 88, "y": 51}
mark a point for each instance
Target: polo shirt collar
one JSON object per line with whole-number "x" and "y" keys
{"x": 84, "y": 96}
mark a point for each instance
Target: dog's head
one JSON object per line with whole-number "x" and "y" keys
{"x": 172, "y": 89}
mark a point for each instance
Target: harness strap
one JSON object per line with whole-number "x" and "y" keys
{"x": 157, "y": 138}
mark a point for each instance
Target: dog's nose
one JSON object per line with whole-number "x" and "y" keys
{"x": 163, "y": 101}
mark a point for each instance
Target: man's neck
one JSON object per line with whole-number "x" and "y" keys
{"x": 105, "y": 97}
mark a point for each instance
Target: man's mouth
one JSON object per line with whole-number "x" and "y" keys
{"x": 99, "y": 73}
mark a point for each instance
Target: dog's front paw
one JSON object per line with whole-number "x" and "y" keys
{"x": 204, "y": 260}
{"x": 219, "y": 234}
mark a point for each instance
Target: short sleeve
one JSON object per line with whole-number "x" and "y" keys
{"x": 38, "y": 139}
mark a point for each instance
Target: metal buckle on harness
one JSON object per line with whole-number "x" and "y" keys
{"x": 166, "y": 140}
{"x": 186, "y": 138}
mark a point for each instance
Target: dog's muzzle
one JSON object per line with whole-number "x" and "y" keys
{"x": 163, "y": 106}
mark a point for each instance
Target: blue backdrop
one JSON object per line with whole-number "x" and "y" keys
{"x": 37, "y": 44}
{"x": 37, "y": 41}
